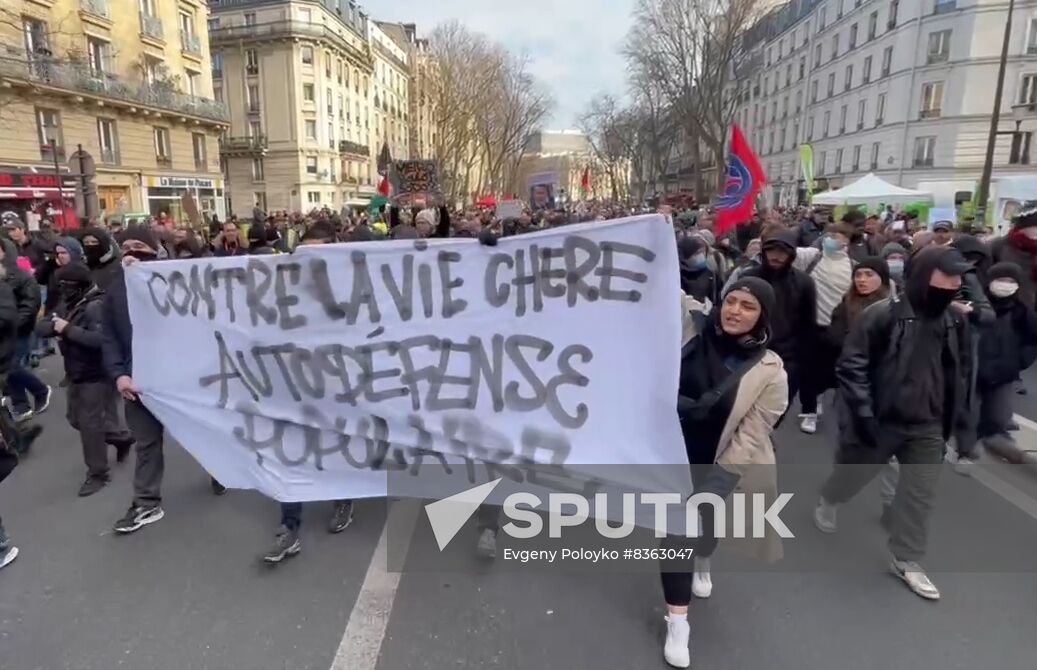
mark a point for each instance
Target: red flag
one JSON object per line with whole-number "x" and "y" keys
{"x": 383, "y": 186}
{"x": 585, "y": 181}
{"x": 745, "y": 178}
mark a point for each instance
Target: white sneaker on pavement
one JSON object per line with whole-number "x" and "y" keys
{"x": 826, "y": 516}
{"x": 701, "y": 582}
{"x": 915, "y": 578}
{"x": 808, "y": 423}
{"x": 963, "y": 466}
{"x": 678, "y": 637}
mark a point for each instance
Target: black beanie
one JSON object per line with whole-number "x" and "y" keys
{"x": 1005, "y": 271}
{"x": 141, "y": 234}
{"x": 877, "y": 264}
{"x": 760, "y": 290}
{"x": 75, "y": 273}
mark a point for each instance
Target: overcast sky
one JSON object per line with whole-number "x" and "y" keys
{"x": 574, "y": 45}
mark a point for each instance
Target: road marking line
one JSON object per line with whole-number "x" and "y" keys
{"x": 1024, "y": 502}
{"x": 362, "y": 640}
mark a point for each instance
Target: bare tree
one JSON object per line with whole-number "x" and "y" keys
{"x": 612, "y": 133}
{"x": 691, "y": 49}
{"x": 655, "y": 125}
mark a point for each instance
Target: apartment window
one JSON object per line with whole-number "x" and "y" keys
{"x": 925, "y": 147}
{"x": 785, "y": 107}
{"x": 848, "y": 82}
{"x": 217, "y": 65}
{"x": 36, "y": 41}
{"x": 838, "y": 161}
{"x": 327, "y": 65}
{"x": 48, "y": 129}
{"x": 774, "y": 111}
{"x": 98, "y": 52}
{"x": 186, "y": 23}
{"x": 163, "y": 154}
{"x": 257, "y": 169}
{"x": 788, "y": 75}
{"x": 328, "y": 98}
{"x": 894, "y": 6}
{"x": 250, "y": 18}
{"x": 831, "y": 84}
{"x": 766, "y": 88}
{"x": 795, "y": 133}
{"x": 802, "y": 67}
{"x": 217, "y": 92}
{"x": 198, "y": 149}
{"x": 770, "y": 142}
{"x": 1031, "y": 40}
{"x": 313, "y": 197}
{"x": 255, "y": 129}
{"x": 939, "y": 47}
{"x": 828, "y": 122}
{"x": 1020, "y": 154}
{"x": 842, "y": 120}
{"x": 887, "y": 61}
{"x": 817, "y": 55}
{"x": 856, "y": 159}
{"x": 307, "y": 55}
{"x": 813, "y": 91}
{"x": 932, "y": 100}
{"x": 853, "y": 36}
{"x": 1028, "y": 90}
{"x": 331, "y": 135}
{"x": 866, "y": 71}
{"x": 251, "y": 61}
{"x": 839, "y": 9}
{"x": 835, "y": 46}
{"x": 810, "y": 128}
{"x": 311, "y": 130}
{"x": 941, "y": 6}
{"x": 108, "y": 140}
{"x": 768, "y": 60}
{"x": 799, "y": 101}
{"x": 821, "y": 164}
{"x": 252, "y": 92}
{"x": 193, "y": 82}
{"x": 875, "y": 155}
{"x": 821, "y": 20}
{"x": 862, "y": 108}
{"x": 147, "y": 7}
{"x": 880, "y": 109}
{"x": 311, "y": 165}
{"x": 307, "y": 92}
{"x": 213, "y": 23}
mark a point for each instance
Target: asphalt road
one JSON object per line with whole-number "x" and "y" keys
{"x": 189, "y": 593}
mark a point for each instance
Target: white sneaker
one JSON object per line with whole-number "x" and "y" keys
{"x": 915, "y": 578}
{"x": 964, "y": 465}
{"x": 678, "y": 636}
{"x": 701, "y": 582}
{"x": 808, "y": 423}
{"x": 11, "y": 553}
{"x": 826, "y": 516}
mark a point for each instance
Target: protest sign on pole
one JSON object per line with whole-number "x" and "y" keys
{"x": 304, "y": 375}
{"x": 414, "y": 181}
{"x": 543, "y": 187}
{"x": 509, "y": 209}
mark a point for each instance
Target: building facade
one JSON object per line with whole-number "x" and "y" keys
{"x": 902, "y": 89}
{"x": 418, "y": 117}
{"x": 130, "y": 83}
{"x": 390, "y": 104}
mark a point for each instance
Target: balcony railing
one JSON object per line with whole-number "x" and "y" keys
{"x": 95, "y": 7}
{"x": 933, "y": 113}
{"x": 151, "y": 26}
{"x": 349, "y": 147}
{"x": 217, "y": 73}
{"x": 78, "y": 77}
{"x": 47, "y": 153}
{"x": 190, "y": 43}
{"x": 244, "y": 144}
{"x": 288, "y": 29}
{"x": 164, "y": 161}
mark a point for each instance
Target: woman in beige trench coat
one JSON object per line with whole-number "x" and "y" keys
{"x": 732, "y": 391}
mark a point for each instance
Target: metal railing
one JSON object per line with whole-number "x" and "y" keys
{"x": 933, "y": 113}
{"x": 81, "y": 78}
{"x": 164, "y": 161}
{"x": 190, "y": 42}
{"x": 282, "y": 29}
{"x": 95, "y": 7}
{"x": 151, "y": 26}
{"x": 244, "y": 143}
{"x": 350, "y": 147}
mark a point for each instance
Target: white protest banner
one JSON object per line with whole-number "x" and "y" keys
{"x": 305, "y": 375}
{"x": 509, "y": 209}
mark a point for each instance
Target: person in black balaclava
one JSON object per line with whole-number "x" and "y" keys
{"x": 795, "y": 312}
{"x": 697, "y": 279}
{"x": 902, "y": 378}
{"x": 100, "y": 256}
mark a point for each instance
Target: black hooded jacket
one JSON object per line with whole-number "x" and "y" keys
{"x": 26, "y": 290}
{"x": 879, "y": 367}
{"x": 104, "y": 263}
{"x": 795, "y": 312}
{"x": 82, "y": 339}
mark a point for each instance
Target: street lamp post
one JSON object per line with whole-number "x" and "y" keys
{"x": 983, "y": 191}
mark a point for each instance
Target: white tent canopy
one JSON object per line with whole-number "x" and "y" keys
{"x": 870, "y": 190}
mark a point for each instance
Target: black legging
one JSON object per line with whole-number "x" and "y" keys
{"x": 676, "y": 574}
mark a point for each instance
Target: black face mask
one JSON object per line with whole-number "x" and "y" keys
{"x": 93, "y": 253}
{"x": 937, "y": 300}
{"x": 72, "y": 293}
{"x": 141, "y": 255}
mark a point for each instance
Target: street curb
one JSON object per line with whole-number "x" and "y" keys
{"x": 1016, "y": 456}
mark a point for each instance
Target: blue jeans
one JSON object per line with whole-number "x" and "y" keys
{"x": 20, "y": 381}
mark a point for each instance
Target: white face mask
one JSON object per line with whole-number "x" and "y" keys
{"x": 1003, "y": 288}
{"x": 1031, "y": 232}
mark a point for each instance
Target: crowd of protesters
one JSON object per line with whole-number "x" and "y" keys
{"x": 922, "y": 330}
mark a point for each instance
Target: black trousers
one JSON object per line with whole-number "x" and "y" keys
{"x": 677, "y": 574}
{"x": 148, "y": 432}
